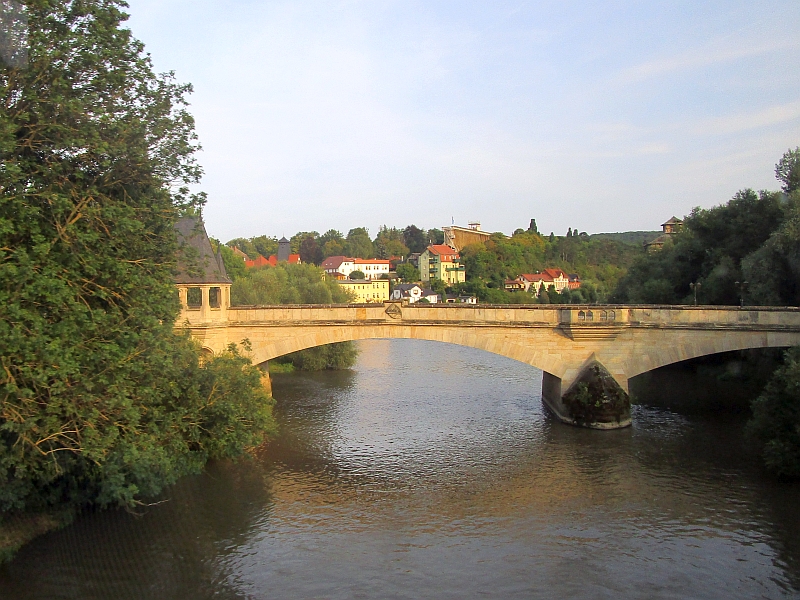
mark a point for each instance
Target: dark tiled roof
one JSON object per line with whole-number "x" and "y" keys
{"x": 197, "y": 262}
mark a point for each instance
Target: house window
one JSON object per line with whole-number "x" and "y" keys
{"x": 194, "y": 297}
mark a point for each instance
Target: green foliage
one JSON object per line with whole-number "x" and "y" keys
{"x": 357, "y": 275}
{"x": 600, "y": 262}
{"x": 341, "y": 355}
{"x": 712, "y": 248}
{"x": 415, "y": 239}
{"x": 297, "y": 284}
{"x": 775, "y": 425}
{"x": 389, "y": 242}
{"x": 359, "y": 244}
{"x": 787, "y": 170}
{"x": 597, "y": 398}
{"x": 286, "y": 284}
{"x": 407, "y": 272}
{"x": 435, "y": 236}
{"x": 234, "y": 265}
{"x": 100, "y": 401}
{"x": 310, "y": 250}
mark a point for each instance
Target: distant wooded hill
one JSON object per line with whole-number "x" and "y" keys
{"x": 629, "y": 237}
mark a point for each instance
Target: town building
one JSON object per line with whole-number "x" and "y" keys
{"x": 340, "y": 267}
{"x": 413, "y": 293}
{"x": 672, "y": 226}
{"x": 459, "y": 237}
{"x": 364, "y": 291}
{"x": 460, "y": 299}
{"x": 533, "y": 282}
{"x": 441, "y": 262}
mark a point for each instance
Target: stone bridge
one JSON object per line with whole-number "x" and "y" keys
{"x": 587, "y": 353}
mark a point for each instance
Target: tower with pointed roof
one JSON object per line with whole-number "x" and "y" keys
{"x": 202, "y": 281}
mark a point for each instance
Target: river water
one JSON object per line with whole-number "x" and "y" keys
{"x": 433, "y": 471}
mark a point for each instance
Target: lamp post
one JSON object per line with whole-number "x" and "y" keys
{"x": 741, "y": 286}
{"x": 695, "y": 286}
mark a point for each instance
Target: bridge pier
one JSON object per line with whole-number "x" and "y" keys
{"x": 594, "y": 399}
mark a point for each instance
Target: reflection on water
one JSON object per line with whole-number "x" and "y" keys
{"x": 432, "y": 471}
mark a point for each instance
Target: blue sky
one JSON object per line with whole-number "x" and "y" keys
{"x": 605, "y": 116}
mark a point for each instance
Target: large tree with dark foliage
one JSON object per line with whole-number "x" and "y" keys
{"x": 100, "y": 401}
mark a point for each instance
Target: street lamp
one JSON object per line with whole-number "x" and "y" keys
{"x": 741, "y": 286}
{"x": 695, "y": 286}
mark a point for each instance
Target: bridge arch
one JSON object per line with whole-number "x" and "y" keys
{"x": 263, "y": 351}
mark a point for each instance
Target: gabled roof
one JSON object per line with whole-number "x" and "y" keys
{"x": 334, "y": 262}
{"x": 197, "y": 262}
{"x": 555, "y": 273}
{"x": 672, "y": 221}
{"x": 405, "y": 287}
{"x": 441, "y": 249}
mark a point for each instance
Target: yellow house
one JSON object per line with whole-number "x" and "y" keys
{"x": 441, "y": 261}
{"x": 376, "y": 290}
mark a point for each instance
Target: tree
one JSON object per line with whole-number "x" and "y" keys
{"x": 298, "y": 238}
{"x": 310, "y": 251}
{"x": 101, "y": 401}
{"x": 775, "y": 425}
{"x": 788, "y": 170}
{"x": 286, "y": 284}
{"x": 414, "y": 239}
{"x": 435, "y": 236}
{"x": 532, "y": 227}
{"x": 407, "y": 272}
{"x": 357, "y": 275}
{"x": 332, "y": 243}
{"x": 359, "y": 244}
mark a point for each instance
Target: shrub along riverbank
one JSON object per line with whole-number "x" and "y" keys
{"x": 102, "y": 403}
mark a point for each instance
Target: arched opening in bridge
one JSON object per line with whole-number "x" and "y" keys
{"x": 725, "y": 382}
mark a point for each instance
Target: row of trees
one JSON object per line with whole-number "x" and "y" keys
{"x": 101, "y": 401}
{"x": 313, "y": 248}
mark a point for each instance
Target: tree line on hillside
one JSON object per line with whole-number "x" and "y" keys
{"x": 103, "y": 402}
{"x": 313, "y": 248}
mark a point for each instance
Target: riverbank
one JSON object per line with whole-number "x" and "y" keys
{"x": 20, "y": 529}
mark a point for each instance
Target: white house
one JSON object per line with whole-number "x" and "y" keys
{"x": 341, "y": 267}
{"x": 413, "y": 293}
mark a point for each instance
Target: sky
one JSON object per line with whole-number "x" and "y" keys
{"x": 601, "y": 116}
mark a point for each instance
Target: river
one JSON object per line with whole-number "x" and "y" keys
{"x": 433, "y": 471}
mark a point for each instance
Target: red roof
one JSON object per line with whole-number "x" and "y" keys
{"x": 294, "y": 259}
{"x": 259, "y": 262}
{"x": 334, "y": 262}
{"x": 537, "y": 276}
{"x": 439, "y": 249}
{"x": 556, "y": 273}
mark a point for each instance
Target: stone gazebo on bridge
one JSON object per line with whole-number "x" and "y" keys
{"x": 203, "y": 284}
